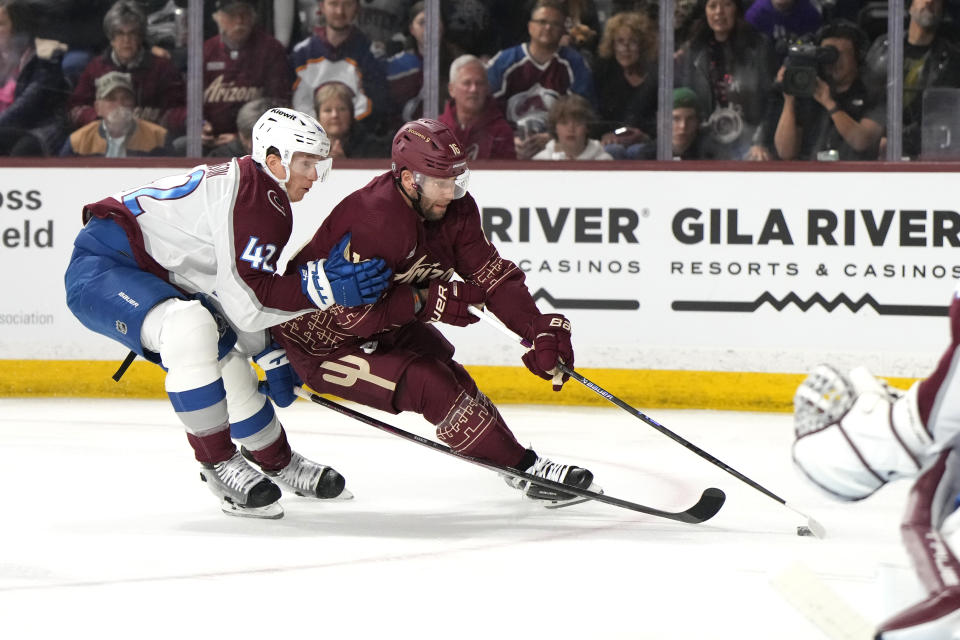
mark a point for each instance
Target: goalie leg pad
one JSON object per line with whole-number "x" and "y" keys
{"x": 854, "y": 434}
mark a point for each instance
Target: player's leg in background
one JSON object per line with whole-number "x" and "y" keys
{"x": 932, "y": 498}
{"x": 938, "y": 396}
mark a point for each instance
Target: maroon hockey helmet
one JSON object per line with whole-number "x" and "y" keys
{"x": 428, "y": 147}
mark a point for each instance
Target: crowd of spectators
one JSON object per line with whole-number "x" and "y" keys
{"x": 519, "y": 79}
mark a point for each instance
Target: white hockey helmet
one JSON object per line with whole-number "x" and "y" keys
{"x": 289, "y": 131}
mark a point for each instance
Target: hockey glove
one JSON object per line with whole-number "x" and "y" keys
{"x": 551, "y": 345}
{"x": 448, "y": 302}
{"x": 281, "y": 378}
{"x": 355, "y": 283}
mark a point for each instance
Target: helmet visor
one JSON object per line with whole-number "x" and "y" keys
{"x": 443, "y": 188}
{"x": 312, "y": 167}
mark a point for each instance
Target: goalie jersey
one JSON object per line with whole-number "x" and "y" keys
{"x": 217, "y": 230}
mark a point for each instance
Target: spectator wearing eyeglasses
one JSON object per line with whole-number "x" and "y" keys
{"x": 159, "y": 92}
{"x": 527, "y": 79}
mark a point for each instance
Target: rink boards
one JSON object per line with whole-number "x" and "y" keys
{"x": 714, "y": 289}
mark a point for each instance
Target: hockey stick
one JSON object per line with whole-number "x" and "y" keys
{"x": 706, "y": 507}
{"x": 815, "y": 527}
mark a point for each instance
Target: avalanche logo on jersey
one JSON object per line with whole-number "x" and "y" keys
{"x": 274, "y": 199}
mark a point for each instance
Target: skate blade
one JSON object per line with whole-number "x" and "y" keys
{"x": 269, "y": 512}
{"x": 560, "y": 504}
{"x": 343, "y": 497}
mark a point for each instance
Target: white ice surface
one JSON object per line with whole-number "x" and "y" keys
{"x": 107, "y": 532}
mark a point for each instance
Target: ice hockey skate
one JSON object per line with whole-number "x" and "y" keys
{"x": 307, "y": 478}
{"x": 242, "y": 490}
{"x": 564, "y": 473}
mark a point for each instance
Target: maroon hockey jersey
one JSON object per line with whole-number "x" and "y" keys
{"x": 383, "y": 225}
{"x": 233, "y": 77}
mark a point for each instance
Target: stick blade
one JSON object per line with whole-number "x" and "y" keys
{"x": 708, "y": 506}
{"x": 816, "y": 528}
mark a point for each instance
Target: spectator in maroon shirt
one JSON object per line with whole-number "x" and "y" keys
{"x": 475, "y": 119}
{"x": 159, "y": 90}
{"x": 240, "y": 64}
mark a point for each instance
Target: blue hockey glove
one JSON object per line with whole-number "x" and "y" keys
{"x": 351, "y": 284}
{"x": 355, "y": 283}
{"x": 281, "y": 378}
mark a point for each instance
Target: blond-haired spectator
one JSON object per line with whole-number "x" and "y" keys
{"x": 333, "y": 103}
{"x": 626, "y": 81}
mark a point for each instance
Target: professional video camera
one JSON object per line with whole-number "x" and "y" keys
{"x": 803, "y": 65}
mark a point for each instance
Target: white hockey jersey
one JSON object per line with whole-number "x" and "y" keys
{"x": 217, "y": 230}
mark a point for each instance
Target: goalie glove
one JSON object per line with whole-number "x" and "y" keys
{"x": 449, "y": 302}
{"x": 550, "y": 335}
{"x": 338, "y": 279}
{"x": 281, "y": 378}
{"x": 854, "y": 433}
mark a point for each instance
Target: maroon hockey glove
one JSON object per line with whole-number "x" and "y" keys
{"x": 551, "y": 342}
{"x": 447, "y": 302}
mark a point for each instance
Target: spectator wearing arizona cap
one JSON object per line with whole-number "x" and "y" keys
{"x": 117, "y": 133}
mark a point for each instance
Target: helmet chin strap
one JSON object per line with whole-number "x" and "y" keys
{"x": 286, "y": 176}
{"x": 416, "y": 204}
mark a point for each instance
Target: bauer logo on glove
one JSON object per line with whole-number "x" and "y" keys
{"x": 448, "y": 302}
{"x": 550, "y": 334}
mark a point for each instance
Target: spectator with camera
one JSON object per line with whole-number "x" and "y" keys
{"x": 827, "y": 113}
{"x": 729, "y": 65}
{"x": 626, "y": 81}
{"x": 930, "y": 59}
{"x": 528, "y": 78}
